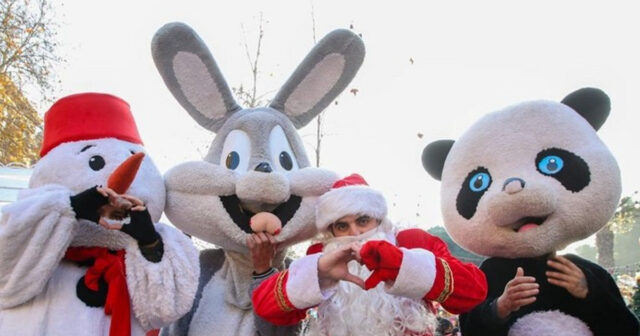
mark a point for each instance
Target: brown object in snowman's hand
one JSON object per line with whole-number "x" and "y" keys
{"x": 118, "y": 183}
{"x": 113, "y": 214}
{"x": 266, "y": 222}
{"x": 118, "y": 207}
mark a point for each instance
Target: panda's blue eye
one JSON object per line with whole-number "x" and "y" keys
{"x": 551, "y": 164}
{"x": 233, "y": 160}
{"x": 479, "y": 182}
{"x": 475, "y": 185}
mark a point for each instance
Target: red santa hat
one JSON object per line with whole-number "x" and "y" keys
{"x": 87, "y": 116}
{"x": 349, "y": 196}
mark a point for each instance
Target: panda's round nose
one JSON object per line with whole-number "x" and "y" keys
{"x": 264, "y": 167}
{"x": 513, "y": 185}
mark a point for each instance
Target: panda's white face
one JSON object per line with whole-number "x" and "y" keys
{"x": 528, "y": 180}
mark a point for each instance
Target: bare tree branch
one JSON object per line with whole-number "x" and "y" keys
{"x": 313, "y": 22}
{"x": 319, "y": 134}
{"x": 250, "y": 98}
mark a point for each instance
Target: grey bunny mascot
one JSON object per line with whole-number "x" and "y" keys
{"x": 256, "y": 163}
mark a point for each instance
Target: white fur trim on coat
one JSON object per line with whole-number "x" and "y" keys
{"x": 349, "y": 200}
{"x": 35, "y": 232}
{"x": 163, "y": 292}
{"x": 417, "y": 274}
{"x": 303, "y": 286}
{"x": 550, "y": 322}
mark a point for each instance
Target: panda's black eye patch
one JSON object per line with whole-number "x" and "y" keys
{"x": 566, "y": 167}
{"x": 474, "y": 186}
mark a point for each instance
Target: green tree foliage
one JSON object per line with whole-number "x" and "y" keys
{"x": 635, "y": 302}
{"x": 621, "y": 224}
{"x": 635, "y": 299}
{"x": 627, "y": 232}
{"x": 454, "y": 248}
{"x": 626, "y": 214}
{"x": 27, "y": 57}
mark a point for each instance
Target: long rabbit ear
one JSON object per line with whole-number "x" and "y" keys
{"x": 192, "y": 75}
{"x": 321, "y": 77}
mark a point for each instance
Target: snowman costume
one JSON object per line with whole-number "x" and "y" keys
{"x": 61, "y": 273}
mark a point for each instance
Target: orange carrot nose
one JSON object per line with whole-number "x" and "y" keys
{"x": 121, "y": 178}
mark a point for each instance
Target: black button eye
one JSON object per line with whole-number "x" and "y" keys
{"x": 96, "y": 162}
{"x": 285, "y": 161}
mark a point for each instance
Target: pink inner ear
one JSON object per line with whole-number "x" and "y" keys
{"x": 316, "y": 84}
{"x": 199, "y": 88}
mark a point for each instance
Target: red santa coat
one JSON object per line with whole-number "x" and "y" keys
{"x": 427, "y": 271}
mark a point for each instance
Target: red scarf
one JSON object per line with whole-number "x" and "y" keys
{"x": 110, "y": 267}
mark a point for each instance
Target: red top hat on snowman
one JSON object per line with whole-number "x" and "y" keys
{"x": 86, "y": 116}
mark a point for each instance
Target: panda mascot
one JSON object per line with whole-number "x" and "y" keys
{"x": 520, "y": 184}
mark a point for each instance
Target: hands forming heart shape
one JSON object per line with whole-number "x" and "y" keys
{"x": 333, "y": 266}
{"x": 379, "y": 256}
{"x": 118, "y": 208}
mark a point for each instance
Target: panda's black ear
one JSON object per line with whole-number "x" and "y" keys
{"x": 592, "y": 104}
{"x": 434, "y": 155}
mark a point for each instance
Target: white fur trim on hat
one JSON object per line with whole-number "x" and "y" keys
{"x": 349, "y": 200}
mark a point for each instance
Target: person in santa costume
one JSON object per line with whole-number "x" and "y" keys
{"x": 81, "y": 250}
{"x": 405, "y": 271}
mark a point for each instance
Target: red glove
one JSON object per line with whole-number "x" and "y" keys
{"x": 383, "y": 258}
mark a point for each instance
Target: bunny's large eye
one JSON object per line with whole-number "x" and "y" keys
{"x": 233, "y": 160}
{"x": 236, "y": 151}
{"x": 285, "y": 160}
{"x": 96, "y": 162}
{"x": 281, "y": 153}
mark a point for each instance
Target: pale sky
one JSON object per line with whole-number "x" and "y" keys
{"x": 469, "y": 58}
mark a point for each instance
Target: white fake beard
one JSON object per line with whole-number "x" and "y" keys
{"x": 354, "y": 311}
